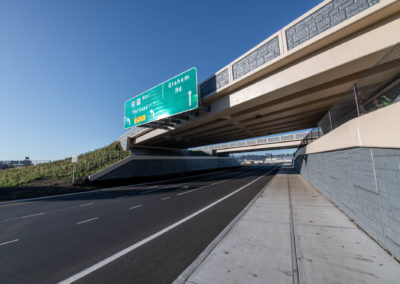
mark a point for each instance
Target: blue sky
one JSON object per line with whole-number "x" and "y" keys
{"x": 66, "y": 67}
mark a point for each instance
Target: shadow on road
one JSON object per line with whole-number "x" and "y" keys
{"x": 117, "y": 189}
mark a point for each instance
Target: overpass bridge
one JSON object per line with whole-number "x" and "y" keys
{"x": 337, "y": 66}
{"x": 288, "y": 81}
{"x": 267, "y": 143}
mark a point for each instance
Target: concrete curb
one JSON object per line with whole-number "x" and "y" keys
{"x": 185, "y": 275}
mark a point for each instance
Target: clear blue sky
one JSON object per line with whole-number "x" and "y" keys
{"x": 66, "y": 67}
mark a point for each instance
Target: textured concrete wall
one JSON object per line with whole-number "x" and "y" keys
{"x": 258, "y": 57}
{"x": 123, "y": 140}
{"x": 144, "y": 166}
{"x": 324, "y": 18}
{"x": 214, "y": 83}
{"x": 365, "y": 184}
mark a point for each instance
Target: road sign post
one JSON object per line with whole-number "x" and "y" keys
{"x": 74, "y": 160}
{"x": 174, "y": 96}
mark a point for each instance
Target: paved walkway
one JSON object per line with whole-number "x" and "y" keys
{"x": 293, "y": 234}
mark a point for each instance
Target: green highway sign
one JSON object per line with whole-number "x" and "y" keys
{"x": 176, "y": 95}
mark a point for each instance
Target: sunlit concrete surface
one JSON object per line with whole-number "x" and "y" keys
{"x": 328, "y": 246}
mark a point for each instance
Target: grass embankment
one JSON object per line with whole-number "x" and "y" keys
{"x": 88, "y": 163}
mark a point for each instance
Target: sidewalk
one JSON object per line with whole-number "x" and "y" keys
{"x": 320, "y": 245}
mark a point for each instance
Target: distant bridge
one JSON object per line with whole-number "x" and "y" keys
{"x": 266, "y": 143}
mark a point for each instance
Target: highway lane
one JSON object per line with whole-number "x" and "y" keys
{"x": 49, "y": 240}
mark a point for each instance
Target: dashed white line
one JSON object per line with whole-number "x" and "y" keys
{"x": 88, "y": 220}
{"x": 147, "y": 191}
{"x": 164, "y": 198}
{"x": 9, "y": 242}
{"x": 87, "y": 204}
{"x": 183, "y": 187}
{"x": 137, "y": 206}
{"x": 123, "y": 252}
{"x": 123, "y": 196}
{"x": 186, "y": 192}
{"x": 215, "y": 183}
{"x": 33, "y": 215}
{"x": 173, "y": 185}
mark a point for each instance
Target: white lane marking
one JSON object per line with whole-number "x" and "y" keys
{"x": 173, "y": 185}
{"x": 137, "y": 206}
{"x": 215, "y": 183}
{"x": 183, "y": 187}
{"x": 33, "y": 215}
{"x": 147, "y": 191}
{"x": 9, "y": 242}
{"x": 24, "y": 201}
{"x": 87, "y": 204}
{"x": 123, "y": 196}
{"x": 123, "y": 252}
{"x": 164, "y": 198}
{"x": 88, "y": 220}
{"x": 186, "y": 192}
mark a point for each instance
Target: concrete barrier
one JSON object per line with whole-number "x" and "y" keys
{"x": 146, "y": 166}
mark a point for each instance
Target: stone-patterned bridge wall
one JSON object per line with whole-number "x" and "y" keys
{"x": 326, "y": 17}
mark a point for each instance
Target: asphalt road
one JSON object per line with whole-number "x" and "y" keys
{"x": 133, "y": 234}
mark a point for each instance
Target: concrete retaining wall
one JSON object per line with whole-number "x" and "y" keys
{"x": 365, "y": 184}
{"x": 145, "y": 166}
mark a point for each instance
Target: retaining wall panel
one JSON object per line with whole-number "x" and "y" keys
{"x": 365, "y": 184}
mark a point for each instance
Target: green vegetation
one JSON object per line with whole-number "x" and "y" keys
{"x": 384, "y": 101}
{"x": 87, "y": 164}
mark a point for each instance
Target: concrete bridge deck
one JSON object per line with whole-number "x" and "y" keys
{"x": 293, "y": 234}
{"x": 288, "y": 81}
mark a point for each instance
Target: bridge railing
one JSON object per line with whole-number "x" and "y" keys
{"x": 377, "y": 88}
{"x": 297, "y": 34}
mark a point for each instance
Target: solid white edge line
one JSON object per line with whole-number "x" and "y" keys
{"x": 87, "y": 204}
{"x": 186, "y": 274}
{"x": 147, "y": 191}
{"x": 121, "y": 253}
{"x": 88, "y": 220}
{"x": 186, "y": 192}
{"x": 33, "y": 215}
{"x": 9, "y": 242}
{"x": 164, "y": 198}
{"x": 137, "y": 206}
{"x": 215, "y": 183}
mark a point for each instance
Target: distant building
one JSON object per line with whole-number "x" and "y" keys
{"x": 15, "y": 164}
